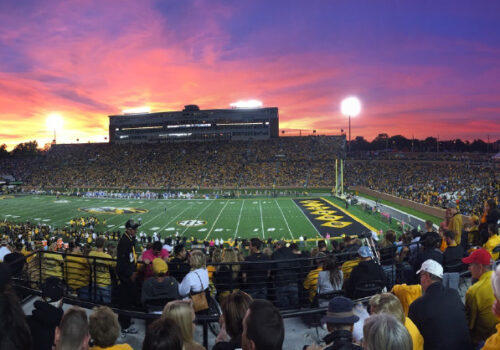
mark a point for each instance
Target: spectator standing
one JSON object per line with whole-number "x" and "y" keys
{"x": 104, "y": 330}
{"x": 493, "y": 240}
{"x": 430, "y": 252}
{"x": 455, "y": 223}
{"x": 479, "y": 297}
{"x": 453, "y": 254}
{"x": 439, "y": 314}
{"x": 285, "y": 276}
{"x": 126, "y": 270}
{"x": 263, "y": 327}
{"x": 384, "y": 331}
{"x": 73, "y": 331}
{"x": 47, "y": 314}
{"x": 311, "y": 281}
{"x": 181, "y": 311}
{"x": 156, "y": 251}
{"x": 367, "y": 270}
{"x": 491, "y": 215}
{"x": 78, "y": 272}
{"x": 493, "y": 342}
{"x": 257, "y": 272}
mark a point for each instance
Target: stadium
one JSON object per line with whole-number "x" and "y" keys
{"x": 150, "y": 199}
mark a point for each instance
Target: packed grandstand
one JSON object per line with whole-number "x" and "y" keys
{"x": 434, "y": 287}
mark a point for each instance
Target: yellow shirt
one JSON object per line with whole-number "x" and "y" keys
{"x": 455, "y": 225}
{"x": 101, "y": 268}
{"x": 493, "y": 342}
{"x": 52, "y": 265}
{"x": 77, "y": 272}
{"x": 478, "y": 302}
{"x": 348, "y": 266}
{"x": 311, "y": 282}
{"x": 407, "y": 294}
{"x": 113, "y": 347}
{"x": 416, "y": 337}
{"x": 492, "y": 242}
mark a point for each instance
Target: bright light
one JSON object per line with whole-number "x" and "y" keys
{"x": 246, "y": 104}
{"x": 54, "y": 122}
{"x": 350, "y": 107}
{"x": 137, "y": 110}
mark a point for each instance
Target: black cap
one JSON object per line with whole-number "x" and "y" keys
{"x": 132, "y": 224}
{"x": 52, "y": 289}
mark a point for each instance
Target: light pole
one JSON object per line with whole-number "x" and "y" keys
{"x": 350, "y": 107}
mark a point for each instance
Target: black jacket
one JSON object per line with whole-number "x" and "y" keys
{"x": 43, "y": 322}
{"x": 285, "y": 271}
{"x": 365, "y": 271}
{"x": 341, "y": 340}
{"x": 452, "y": 256}
{"x": 431, "y": 253}
{"x": 178, "y": 269}
{"x": 125, "y": 264}
{"x": 440, "y": 317}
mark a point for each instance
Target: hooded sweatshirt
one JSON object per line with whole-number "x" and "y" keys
{"x": 42, "y": 322}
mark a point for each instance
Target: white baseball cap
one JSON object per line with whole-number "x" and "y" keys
{"x": 432, "y": 267}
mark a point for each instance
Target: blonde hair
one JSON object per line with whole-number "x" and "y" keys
{"x": 197, "y": 260}
{"x": 182, "y": 313}
{"x": 230, "y": 256}
{"x": 387, "y": 303}
{"x": 103, "y": 326}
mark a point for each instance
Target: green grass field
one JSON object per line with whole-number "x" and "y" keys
{"x": 277, "y": 218}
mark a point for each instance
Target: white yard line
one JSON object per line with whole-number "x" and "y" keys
{"x": 261, "y": 218}
{"x": 216, "y": 219}
{"x": 199, "y": 214}
{"x": 286, "y": 221}
{"x": 300, "y": 210}
{"x": 239, "y": 218}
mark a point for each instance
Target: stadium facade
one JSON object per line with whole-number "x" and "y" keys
{"x": 193, "y": 124}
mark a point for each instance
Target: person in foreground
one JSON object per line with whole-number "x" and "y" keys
{"x": 104, "y": 330}
{"x": 181, "y": 311}
{"x": 263, "y": 327}
{"x": 384, "y": 331}
{"x": 163, "y": 334}
{"x": 493, "y": 342}
{"x": 439, "y": 314}
{"x": 73, "y": 331}
{"x": 339, "y": 320}
{"x": 479, "y": 297}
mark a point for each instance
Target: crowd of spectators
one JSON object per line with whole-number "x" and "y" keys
{"x": 423, "y": 275}
{"x": 429, "y": 178}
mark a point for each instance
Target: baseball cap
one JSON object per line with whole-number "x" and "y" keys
{"x": 340, "y": 310}
{"x": 478, "y": 256}
{"x": 159, "y": 266}
{"x": 132, "y": 224}
{"x": 52, "y": 289}
{"x": 432, "y": 267}
{"x": 365, "y": 252}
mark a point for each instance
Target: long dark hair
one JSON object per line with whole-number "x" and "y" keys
{"x": 331, "y": 265}
{"x": 14, "y": 331}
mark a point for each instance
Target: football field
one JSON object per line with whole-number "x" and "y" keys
{"x": 203, "y": 219}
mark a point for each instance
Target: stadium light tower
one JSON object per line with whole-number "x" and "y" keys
{"x": 350, "y": 107}
{"x": 54, "y": 122}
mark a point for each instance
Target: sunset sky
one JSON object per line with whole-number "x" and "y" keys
{"x": 422, "y": 68}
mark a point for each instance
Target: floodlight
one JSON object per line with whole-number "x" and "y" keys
{"x": 246, "y": 104}
{"x": 137, "y": 110}
{"x": 350, "y": 106}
